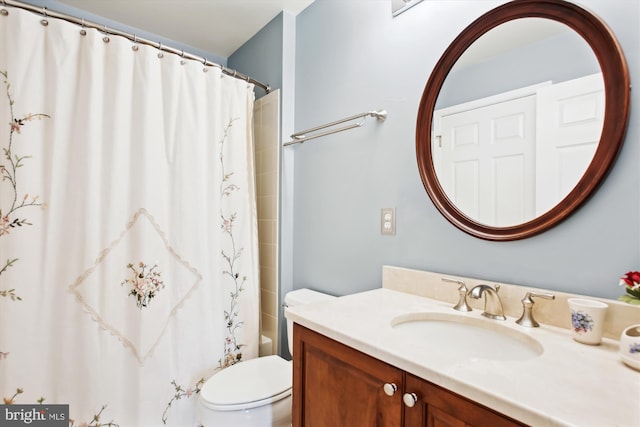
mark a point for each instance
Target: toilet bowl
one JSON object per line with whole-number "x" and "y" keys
{"x": 256, "y": 392}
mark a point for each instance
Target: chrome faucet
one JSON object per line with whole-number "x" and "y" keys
{"x": 462, "y": 291}
{"x": 492, "y": 303}
{"x": 527, "y": 319}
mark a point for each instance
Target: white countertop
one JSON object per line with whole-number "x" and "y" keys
{"x": 569, "y": 384}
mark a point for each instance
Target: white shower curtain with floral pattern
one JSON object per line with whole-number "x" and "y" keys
{"x": 128, "y": 242}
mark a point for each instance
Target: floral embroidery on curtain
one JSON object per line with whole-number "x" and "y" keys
{"x": 9, "y": 169}
{"x": 11, "y": 162}
{"x": 91, "y": 295}
{"x": 9, "y": 220}
{"x": 145, "y": 283}
{"x": 232, "y": 348}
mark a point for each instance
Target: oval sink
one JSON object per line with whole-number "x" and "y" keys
{"x": 468, "y": 337}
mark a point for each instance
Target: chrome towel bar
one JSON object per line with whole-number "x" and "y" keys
{"x": 308, "y": 134}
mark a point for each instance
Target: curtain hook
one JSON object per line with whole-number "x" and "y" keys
{"x": 106, "y": 32}
{"x": 135, "y": 43}
{"x": 83, "y": 32}
{"x": 44, "y": 22}
{"x": 4, "y": 12}
{"x": 160, "y": 54}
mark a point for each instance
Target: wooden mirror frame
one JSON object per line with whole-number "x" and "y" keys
{"x": 617, "y": 95}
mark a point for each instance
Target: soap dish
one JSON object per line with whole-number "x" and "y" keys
{"x": 630, "y": 346}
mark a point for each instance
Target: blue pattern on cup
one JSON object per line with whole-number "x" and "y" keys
{"x": 581, "y": 322}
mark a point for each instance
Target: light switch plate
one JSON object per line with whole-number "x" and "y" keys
{"x": 388, "y": 222}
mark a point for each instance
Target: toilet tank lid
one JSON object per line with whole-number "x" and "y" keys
{"x": 248, "y": 382}
{"x": 304, "y": 296}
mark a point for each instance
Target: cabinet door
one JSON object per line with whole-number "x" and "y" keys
{"x": 437, "y": 407}
{"x": 337, "y": 386}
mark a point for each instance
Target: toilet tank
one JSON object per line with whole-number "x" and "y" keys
{"x": 297, "y": 297}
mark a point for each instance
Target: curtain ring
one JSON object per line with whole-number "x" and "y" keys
{"x": 106, "y": 34}
{"x": 135, "y": 43}
{"x": 160, "y": 54}
{"x": 4, "y": 12}
{"x": 83, "y": 32}
{"x": 44, "y": 22}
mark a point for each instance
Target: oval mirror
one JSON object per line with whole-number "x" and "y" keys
{"x": 522, "y": 118}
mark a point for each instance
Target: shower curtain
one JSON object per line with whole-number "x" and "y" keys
{"x": 128, "y": 240}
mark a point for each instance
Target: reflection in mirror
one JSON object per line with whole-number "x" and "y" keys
{"x": 517, "y": 121}
{"x": 399, "y": 6}
{"x": 580, "y": 81}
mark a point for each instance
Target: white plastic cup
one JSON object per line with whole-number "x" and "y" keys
{"x": 587, "y": 319}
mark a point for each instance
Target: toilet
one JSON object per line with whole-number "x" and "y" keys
{"x": 256, "y": 392}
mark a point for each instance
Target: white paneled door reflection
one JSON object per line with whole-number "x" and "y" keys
{"x": 488, "y": 161}
{"x": 570, "y": 117}
{"x": 505, "y": 159}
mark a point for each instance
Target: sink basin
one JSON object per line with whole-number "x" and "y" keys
{"x": 467, "y": 337}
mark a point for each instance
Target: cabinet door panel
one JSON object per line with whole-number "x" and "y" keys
{"x": 437, "y": 407}
{"x": 337, "y": 386}
{"x": 438, "y": 418}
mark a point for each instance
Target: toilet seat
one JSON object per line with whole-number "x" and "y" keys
{"x": 248, "y": 384}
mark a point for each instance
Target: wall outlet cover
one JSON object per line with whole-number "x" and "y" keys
{"x": 388, "y": 222}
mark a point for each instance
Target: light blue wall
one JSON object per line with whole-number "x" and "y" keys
{"x": 351, "y": 56}
{"x": 261, "y": 57}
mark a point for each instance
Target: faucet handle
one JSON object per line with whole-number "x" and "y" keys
{"x": 462, "y": 292}
{"x": 527, "y": 319}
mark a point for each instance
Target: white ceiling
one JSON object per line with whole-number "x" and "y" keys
{"x": 216, "y": 26}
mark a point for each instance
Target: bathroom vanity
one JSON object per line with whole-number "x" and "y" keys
{"x": 355, "y": 364}
{"x": 336, "y": 385}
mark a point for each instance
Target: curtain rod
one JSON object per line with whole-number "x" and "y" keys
{"x": 103, "y": 28}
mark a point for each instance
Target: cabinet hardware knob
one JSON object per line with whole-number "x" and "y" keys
{"x": 390, "y": 389}
{"x": 410, "y": 399}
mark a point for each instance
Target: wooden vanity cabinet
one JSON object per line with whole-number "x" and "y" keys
{"x": 438, "y": 407}
{"x": 337, "y": 386}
